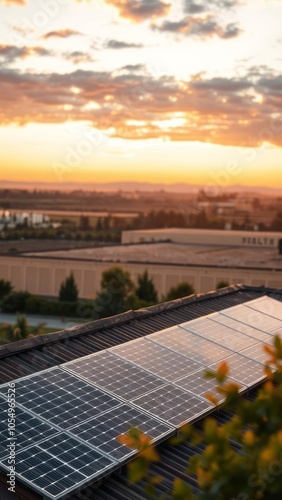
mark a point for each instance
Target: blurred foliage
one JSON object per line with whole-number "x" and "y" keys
{"x": 184, "y": 289}
{"x": 241, "y": 459}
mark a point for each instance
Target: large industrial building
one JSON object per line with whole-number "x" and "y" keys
{"x": 201, "y": 257}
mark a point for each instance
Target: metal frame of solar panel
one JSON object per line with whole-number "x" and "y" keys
{"x": 190, "y": 345}
{"x": 252, "y": 317}
{"x": 240, "y": 327}
{"x": 220, "y": 334}
{"x": 87, "y": 403}
{"x": 268, "y": 306}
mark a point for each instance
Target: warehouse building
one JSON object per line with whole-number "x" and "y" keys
{"x": 202, "y": 258}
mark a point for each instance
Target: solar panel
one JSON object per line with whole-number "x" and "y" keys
{"x": 257, "y": 353}
{"x": 102, "y": 431}
{"x": 28, "y": 429}
{"x": 173, "y": 405}
{"x": 59, "y": 465}
{"x": 267, "y": 305}
{"x": 114, "y": 375}
{"x": 190, "y": 345}
{"x": 253, "y": 318}
{"x": 244, "y": 370}
{"x": 157, "y": 359}
{"x": 220, "y": 334}
{"x": 61, "y": 398}
{"x": 199, "y": 385}
{"x": 241, "y": 327}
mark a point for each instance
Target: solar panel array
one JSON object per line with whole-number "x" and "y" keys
{"x": 68, "y": 418}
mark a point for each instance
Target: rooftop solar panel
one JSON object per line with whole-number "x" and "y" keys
{"x": 267, "y": 305}
{"x": 102, "y": 431}
{"x": 61, "y": 398}
{"x": 173, "y": 405}
{"x": 220, "y": 334}
{"x": 253, "y": 318}
{"x": 238, "y": 326}
{"x": 190, "y": 345}
{"x": 115, "y": 375}
{"x": 200, "y": 386}
{"x": 257, "y": 353}
{"x": 59, "y": 465}
{"x": 157, "y": 359}
{"x": 28, "y": 429}
{"x": 244, "y": 370}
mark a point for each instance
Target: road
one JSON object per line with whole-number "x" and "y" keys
{"x": 35, "y": 319}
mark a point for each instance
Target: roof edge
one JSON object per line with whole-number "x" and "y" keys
{"x": 119, "y": 319}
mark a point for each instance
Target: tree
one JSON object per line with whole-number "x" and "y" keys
{"x": 22, "y": 330}
{"x": 69, "y": 291}
{"x": 251, "y": 470}
{"x": 184, "y": 289}
{"x": 116, "y": 286}
{"x": 222, "y": 284}
{"x": 146, "y": 289}
{"x": 5, "y": 288}
{"x": 15, "y": 302}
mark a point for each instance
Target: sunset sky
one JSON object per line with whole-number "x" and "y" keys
{"x": 154, "y": 90}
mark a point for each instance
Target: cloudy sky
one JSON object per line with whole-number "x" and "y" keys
{"x": 149, "y": 90}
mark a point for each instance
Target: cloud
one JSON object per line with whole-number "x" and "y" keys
{"x": 12, "y": 2}
{"x": 61, "y": 34}
{"x": 206, "y": 27}
{"x": 9, "y": 53}
{"x": 139, "y": 10}
{"x": 229, "y": 111}
{"x": 78, "y": 56}
{"x": 133, "y": 67}
{"x": 198, "y": 6}
{"x": 117, "y": 44}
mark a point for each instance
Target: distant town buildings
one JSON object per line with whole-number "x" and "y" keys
{"x": 13, "y": 220}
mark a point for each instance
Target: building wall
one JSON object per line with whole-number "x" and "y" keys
{"x": 205, "y": 237}
{"x": 44, "y": 276}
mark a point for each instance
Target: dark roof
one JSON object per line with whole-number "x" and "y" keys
{"x": 37, "y": 353}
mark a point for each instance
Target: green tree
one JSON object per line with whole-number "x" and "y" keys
{"x": 69, "y": 291}
{"x": 222, "y": 284}
{"x": 15, "y": 302}
{"x": 251, "y": 470}
{"x": 184, "y": 289}
{"x": 146, "y": 289}
{"x": 116, "y": 287}
{"x": 5, "y": 288}
{"x": 22, "y": 330}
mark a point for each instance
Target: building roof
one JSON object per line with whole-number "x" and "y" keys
{"x": 180, "y": 254}
{"x": 35, "y": 354}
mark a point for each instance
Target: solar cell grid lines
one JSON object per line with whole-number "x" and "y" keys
{"x": 268, "y": 306}
{"x": 238, "y": 326}
{"x": 115, "y": 375}
{"x": 257, "y": 353}
{"x": 192, "y": 346}
{"x": 173, "y": 405}
{"x": 61, "y": 398}
{"x": 220, "y": 334}
{"x": 156, "y": 359}
{"x": 253, "y": 318}
{"x": 60, "y": 464}
{"x": 199, "y": 386}
{"x": 28, "y": 429}
{"x": 102, "y": 431}
{"x": 244, "y": 370}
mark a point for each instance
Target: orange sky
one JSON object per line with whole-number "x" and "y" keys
{"x": 140, "y": 90}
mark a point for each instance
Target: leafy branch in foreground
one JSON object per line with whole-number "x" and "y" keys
{"x": 242, "y": 459}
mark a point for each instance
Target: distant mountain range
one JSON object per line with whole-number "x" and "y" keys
{"x": 132, "y": 186}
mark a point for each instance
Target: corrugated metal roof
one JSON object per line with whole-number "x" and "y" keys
{"x": 32, "y": 355}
